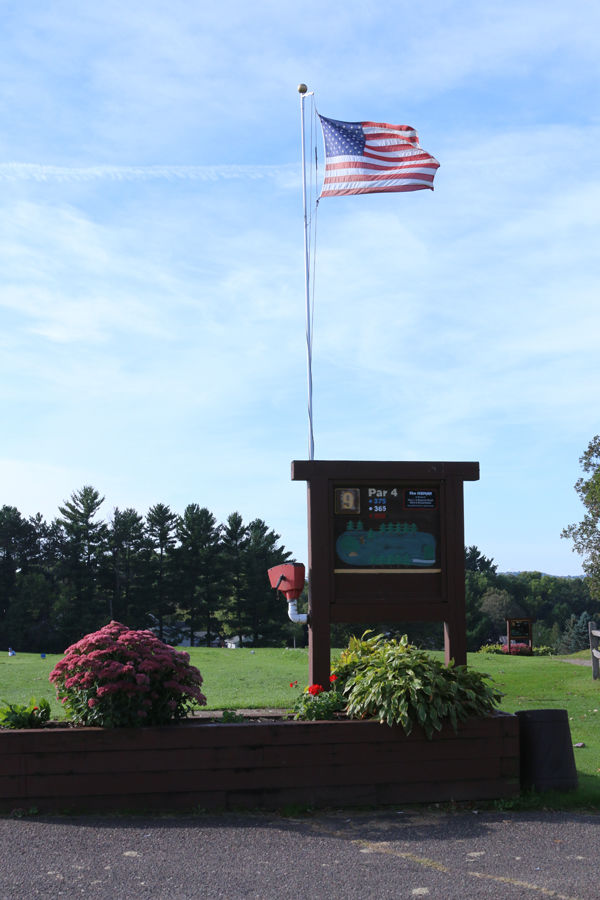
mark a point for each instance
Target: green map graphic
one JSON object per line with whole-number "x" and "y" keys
{"x": 393, "y": 544}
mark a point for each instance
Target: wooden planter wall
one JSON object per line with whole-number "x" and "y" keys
{"x": 250, "y": 765}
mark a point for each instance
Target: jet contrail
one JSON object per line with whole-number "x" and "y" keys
{"x": 37, "y": 172}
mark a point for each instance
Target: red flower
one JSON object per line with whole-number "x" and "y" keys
{"x": 333, "y": 678}
{"x": 293, "y": 684}
{"x": 315, "y": 689}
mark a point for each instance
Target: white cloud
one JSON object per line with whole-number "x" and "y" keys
{"x": 69, "y": 280}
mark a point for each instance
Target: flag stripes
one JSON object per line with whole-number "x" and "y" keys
{"x": 374, "y": 157}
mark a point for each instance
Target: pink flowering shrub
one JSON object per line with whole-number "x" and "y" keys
{"x": 517, "y": 649}
{"x": 118, "y": 677}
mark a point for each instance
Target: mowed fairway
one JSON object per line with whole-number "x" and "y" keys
{"x": 237, "y": 679}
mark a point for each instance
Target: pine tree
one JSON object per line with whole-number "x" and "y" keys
{"x": 197, "y": 560}
{"x": 13, "y": 533}
{"x": 160, "y": 528}
{"x": 25, "y": 590}
{"x": 81, "y": 605}
{"x": 234, "y": 542}
{"x": 266, "y": 610}
{"x": 576, "y": 634}
{"x": 129, "y": 551}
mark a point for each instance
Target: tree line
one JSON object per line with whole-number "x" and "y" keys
{"x": 187, "y": 575}
{"x": 63, "y": 579}
{"x": 561, "y": 606}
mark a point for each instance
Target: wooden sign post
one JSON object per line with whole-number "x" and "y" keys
{"x": 520, "y": 631}
{"x": 385, "y": 543}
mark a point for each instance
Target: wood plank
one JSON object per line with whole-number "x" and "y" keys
{"x": 124, "y": 768}
{"x": 136, "y": 782}
{"x": 141, "y": 760}
{"x": 367, "y": 471}
{"x": 151, "y": 759}
{"x": 276, "y": 798}
{"x": 468, "y": 757}
{"x": 200, "y": 735}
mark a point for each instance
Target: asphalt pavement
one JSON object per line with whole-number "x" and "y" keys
{"x": 401, "y": 853}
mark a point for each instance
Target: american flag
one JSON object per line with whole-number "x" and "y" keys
{"x": 374, "y": 157}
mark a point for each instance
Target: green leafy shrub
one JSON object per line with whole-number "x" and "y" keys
{"x": 491, "y": 648}
{"x": 397, "y": 683}
{"x": 316, "y": 703}
{"x": 118, "y": 677}
{"x": 541, "y": 650}
{"x": 358, "y": 652}
{"x": 19, "y": 715}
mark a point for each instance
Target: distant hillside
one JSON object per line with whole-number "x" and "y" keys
{"x": 547, "y": 574}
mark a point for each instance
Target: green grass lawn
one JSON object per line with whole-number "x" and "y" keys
{"x": 26, "y": 675}
{"x": 537, "y": 682}
{"x": 233, "y": 679}
{"x": 236, "y": 679}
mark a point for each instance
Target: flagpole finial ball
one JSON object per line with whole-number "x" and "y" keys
{"x": 302, "y": 89}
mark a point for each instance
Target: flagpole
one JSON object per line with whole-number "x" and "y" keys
{"x": 302, "y": 90}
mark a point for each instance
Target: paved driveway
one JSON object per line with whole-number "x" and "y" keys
{"x": 380, "y": 855}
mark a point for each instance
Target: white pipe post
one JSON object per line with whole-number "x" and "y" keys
{"x": 294, "y": 615}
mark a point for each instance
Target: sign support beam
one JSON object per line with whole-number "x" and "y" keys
{"x": 385, "y": 544}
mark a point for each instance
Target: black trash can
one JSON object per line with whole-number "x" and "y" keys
{"x": 547, "y": 760}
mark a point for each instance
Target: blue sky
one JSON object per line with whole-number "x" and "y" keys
{"x": 151, "y": 259}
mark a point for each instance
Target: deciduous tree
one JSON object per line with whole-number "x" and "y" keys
{"x": 586, "y": 534}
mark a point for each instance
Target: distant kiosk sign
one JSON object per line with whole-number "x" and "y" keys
{"x": 385, "y": 544}
{"x": 386, "y": 527}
